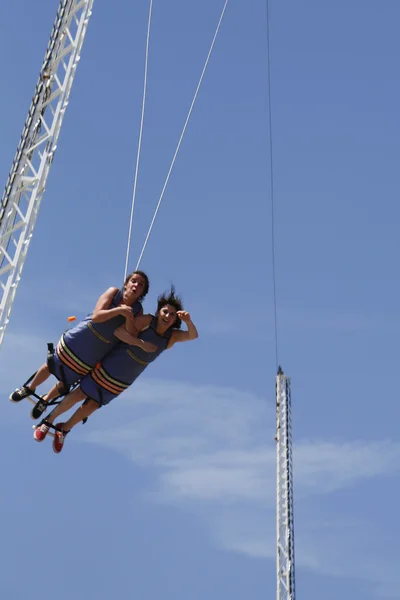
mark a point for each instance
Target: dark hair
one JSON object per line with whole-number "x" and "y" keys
{"x": 146, "y": 282}
{"x": 172, "y": 299}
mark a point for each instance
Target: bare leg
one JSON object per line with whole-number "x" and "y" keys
{"x": 84, "y": 411}
{"x": 69, "y": 401}
{"x": 57, "y": 390}
{"x": 40, "y": 377}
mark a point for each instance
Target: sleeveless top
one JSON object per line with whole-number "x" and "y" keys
{"x": 83, "y": 346}
{"x": 123, "y": 365}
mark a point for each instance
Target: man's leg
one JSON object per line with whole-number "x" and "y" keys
{"x": 40, "y": 376}
{"x": 57, "y": 390}
{"x": 24, "y": 391}
{"x": 41, "y": 405}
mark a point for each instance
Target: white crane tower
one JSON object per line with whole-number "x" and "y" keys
{"x": 285, "y": 588}
{"x": 27, "y": 179}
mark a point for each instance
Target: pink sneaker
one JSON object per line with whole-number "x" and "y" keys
{"x": 59, "y": 437}
{"x": 41, "y": 432}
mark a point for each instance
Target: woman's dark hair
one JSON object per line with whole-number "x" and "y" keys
{"x": 145, "y": 279}
{"x": 173, "y": 300}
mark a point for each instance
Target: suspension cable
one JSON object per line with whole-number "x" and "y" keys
{"x": 272, "y": 186}
{"x": 183, "y": 131}
{"x": 140, "y": 139}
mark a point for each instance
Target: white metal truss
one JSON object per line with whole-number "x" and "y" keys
{"x": 35, "y": 153}
{"x": 284, "y": 500}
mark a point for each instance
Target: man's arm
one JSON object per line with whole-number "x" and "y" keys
{"x": 102, "y": 311}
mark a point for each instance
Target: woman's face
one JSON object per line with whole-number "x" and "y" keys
{"x": 167, "y": 316}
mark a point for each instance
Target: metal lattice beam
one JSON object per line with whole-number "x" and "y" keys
{"x": 35, "y": 153}
{"x": 284, "y": 500}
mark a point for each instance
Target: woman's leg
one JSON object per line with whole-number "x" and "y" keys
{"x": 79, "y": 415}
{"x": 83, "y": 412}
{"x": 69, "y": 401}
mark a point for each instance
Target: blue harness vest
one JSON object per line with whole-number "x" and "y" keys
{"x": 82, "y": 347}
{"x": 123, "y": 365}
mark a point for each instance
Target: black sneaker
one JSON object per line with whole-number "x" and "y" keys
{"x": 21, "y": 393}
{"x": 38, "y": 409}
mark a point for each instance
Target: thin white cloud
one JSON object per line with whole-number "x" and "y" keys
{"x": 209, "y": 441}
{"x": 326, "y": 467}
{"x": 212, "y": 451}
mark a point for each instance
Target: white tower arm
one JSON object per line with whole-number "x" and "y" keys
{"x": 27, "y": 179}
{"x": 284, "y": 501}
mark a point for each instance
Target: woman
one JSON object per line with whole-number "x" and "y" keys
{"x": 83, "y": 346}
{"x": 123, "y": 365}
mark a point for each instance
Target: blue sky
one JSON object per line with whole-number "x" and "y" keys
{"x": 171, "y": 489}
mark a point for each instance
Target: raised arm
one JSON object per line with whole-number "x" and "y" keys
{"x": 184, "y": 336}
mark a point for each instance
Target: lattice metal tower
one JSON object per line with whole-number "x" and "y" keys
{"x": 284, "y": 501}
{"x": 35, "y": 153}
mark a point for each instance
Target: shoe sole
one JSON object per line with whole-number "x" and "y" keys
{"x": 36, "y": 418}
{"x": 35, "y": 427}
{"x": 18, "y": 401}
{"x": 54, "y": 441}
{"x": 51, "y": 434}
